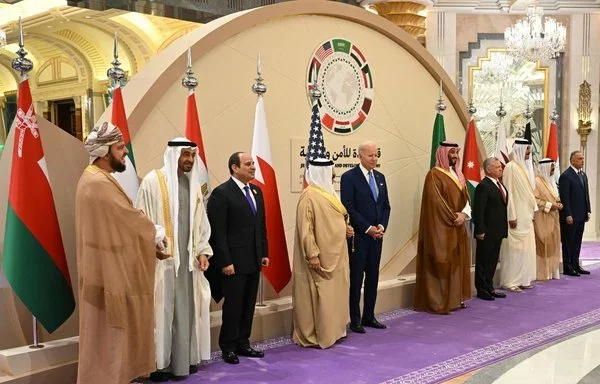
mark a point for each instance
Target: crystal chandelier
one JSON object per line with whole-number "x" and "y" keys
{"x": 534, "y": 37}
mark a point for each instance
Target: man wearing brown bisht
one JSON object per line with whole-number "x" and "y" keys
{"x": 443, "y": 267}
{"x": 546, "y": 222}
{"x": 116, "y": 249}
{"x": 321, "y": 270}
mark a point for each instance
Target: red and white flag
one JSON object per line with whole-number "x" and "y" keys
{"x": 278, "y": 273}
{"x": 194, "y": 134}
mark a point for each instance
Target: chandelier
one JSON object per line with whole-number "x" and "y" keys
{"x": 534, "y": 37}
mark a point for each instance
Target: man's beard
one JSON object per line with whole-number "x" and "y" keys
{"x": 115, "y": 164}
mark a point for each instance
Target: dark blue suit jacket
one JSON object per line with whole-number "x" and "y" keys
{"x": 356, "y": 196}
{"x": 574, "y": 195}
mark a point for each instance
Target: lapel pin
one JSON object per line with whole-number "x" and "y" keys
{"x": 254, "y": 191}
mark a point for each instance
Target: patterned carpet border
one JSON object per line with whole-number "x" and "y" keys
{"x": 456, "y": 366}
{"x": 495, "y": 352}
{"x": 286, "y": 340}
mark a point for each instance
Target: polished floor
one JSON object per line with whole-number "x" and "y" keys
{"x": 574, "y": 359}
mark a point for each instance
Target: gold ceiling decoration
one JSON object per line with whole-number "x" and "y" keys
{"x": 405, "y": 14}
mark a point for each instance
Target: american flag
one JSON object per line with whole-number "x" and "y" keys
{"x": 324, "y": 51}
{"x": 316, "y": 145}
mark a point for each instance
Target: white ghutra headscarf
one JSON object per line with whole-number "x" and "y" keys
{"x": 519, "y": 150}
{"x": 169, "y": 169}
{"x": 320, "y": 174}
{"x": 544, "y": 168}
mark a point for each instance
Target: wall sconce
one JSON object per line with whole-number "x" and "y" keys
{"x": 584, "y": 112}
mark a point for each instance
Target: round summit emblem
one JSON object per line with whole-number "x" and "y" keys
{"x": 344, "y": 77}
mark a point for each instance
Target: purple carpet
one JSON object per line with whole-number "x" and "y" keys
{"x": 590, "y": 250}
{"x": 420, "y": 348}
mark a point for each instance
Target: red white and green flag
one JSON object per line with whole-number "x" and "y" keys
{"x": 194, "y": 134}
{"x": 470, "y": 168}
{"x": 33, "y": 259}
{"x": 128, "y": 179}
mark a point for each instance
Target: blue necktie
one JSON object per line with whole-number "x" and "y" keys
{"x": 580, "y": 174}
{"x": 249, "y": 198}
{"x": 372, "y": 185}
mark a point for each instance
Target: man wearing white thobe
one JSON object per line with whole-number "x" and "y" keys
{"x": 517, "y": 253}
{"x": 171, "y": 196}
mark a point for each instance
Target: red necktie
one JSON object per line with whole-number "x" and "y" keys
{"x": 501, "y": 191}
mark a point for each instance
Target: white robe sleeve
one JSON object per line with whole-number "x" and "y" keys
{"x": 201, "y": 233}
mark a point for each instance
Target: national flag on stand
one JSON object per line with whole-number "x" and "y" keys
{"x": 34, "y": 261}
{"x": 316, "y": 143}
{"x": 501, "y": 151}
{"x": 439, "y": 135}
{"x": 128, "y": 179}
{"x": 552, "y": 150}
{"x": 279, "y": 272}
{"x": 470, "y": 167}
{"x": 194, "y": 134}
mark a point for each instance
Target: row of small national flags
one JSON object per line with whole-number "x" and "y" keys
{"x": 471, "y": 167}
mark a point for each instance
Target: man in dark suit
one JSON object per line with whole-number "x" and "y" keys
{"x": 491, "y": 226}
{"x": 575, "y": 197}
{"x": 236, "y": 212}
{"x": 365, "y": 196}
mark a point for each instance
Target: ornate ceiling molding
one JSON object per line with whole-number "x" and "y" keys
{"x": 518, "y": 6}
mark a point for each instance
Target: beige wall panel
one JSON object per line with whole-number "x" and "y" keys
{"x": 67, "y": 70}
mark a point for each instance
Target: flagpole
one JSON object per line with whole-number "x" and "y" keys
{"x": 24, "y": 66}
{"x": 259, "y": 88}
{"x": 471, "y": 226}
{"x": 115, "y": 73}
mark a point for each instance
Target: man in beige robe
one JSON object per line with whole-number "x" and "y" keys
{"x": 116, "y": 249}
{"x": 517, "y": 253}
{"x": 546, "y": 224}
{"x": 321, "y": 270}
{"x": 172, "y": 197}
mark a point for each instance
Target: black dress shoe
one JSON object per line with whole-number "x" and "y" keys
{"x": 497, "y": 294}
{"x": 357, "y": 328}
{"x": 485, "y": 296}
{"x": 570, "y": 272}
{"x": 194, "y": 369}
{"x": 230, "y": 358}
{"x": 582, "y": 271}
{"x": 373, "y": 324}
{"x": 249, "y": 352}
{"x": 160, "y": 376}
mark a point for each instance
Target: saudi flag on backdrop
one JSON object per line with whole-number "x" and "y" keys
{"x": 439, "y": 135}
{"x": 128, "y": 179}
{"x": 470, "y": 168}
{"x": 33, "y": 258}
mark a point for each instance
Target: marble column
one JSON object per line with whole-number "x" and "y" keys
{"x": 584, "y": 52}
{"x": 441, "y": 40}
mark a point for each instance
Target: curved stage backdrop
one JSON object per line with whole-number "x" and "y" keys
{"x": 401, "y": 86}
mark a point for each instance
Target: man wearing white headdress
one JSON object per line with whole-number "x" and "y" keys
{"x": 172, "y": 197}
{"x": 547, "y": 224}
{"x": 321, "y": 267}
{"x": 517, "y": 253}
{"x": 116, "y": 250}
